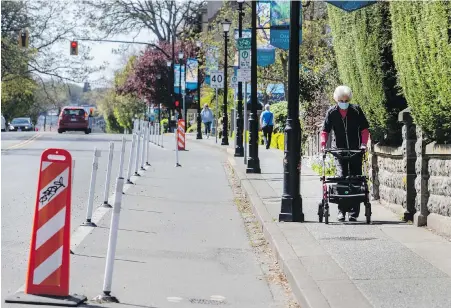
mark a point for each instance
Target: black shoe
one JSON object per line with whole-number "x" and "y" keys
{"x": 352, "y": 218}
{"x": 341, "y": 217}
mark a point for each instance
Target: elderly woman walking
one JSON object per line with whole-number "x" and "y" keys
{"x": 350, "y": 128}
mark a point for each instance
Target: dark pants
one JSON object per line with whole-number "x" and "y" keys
{"x": 207, "y": 127}
{"x": 267, "y": 133}
{"x": 349, "y": 167}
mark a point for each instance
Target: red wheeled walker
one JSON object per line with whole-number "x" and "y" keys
{"x": 346, "y": 189}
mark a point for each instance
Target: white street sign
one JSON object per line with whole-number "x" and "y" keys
{"x": 234, "y": 82}
{"x": 245, "y": 58}
{"x": 217, "y": 79}
{"x": 244, "y": 75}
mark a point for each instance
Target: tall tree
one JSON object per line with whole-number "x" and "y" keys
{"x": 164, "y": 18}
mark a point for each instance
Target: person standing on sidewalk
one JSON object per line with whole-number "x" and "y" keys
{"x": 350, "y": 127}
{"x": 267, "y": 125}
{"x": 207, "y": 117}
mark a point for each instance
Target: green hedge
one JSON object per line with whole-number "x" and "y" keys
{"x": 422, "y": 52}
{"x": 362, "y": 46}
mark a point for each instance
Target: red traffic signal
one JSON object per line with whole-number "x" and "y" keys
{"x": 177, "y": 103}
{"x": 73, "y": 48}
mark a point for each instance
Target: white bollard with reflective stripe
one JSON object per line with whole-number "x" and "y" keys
{"x": 148, "y": 145}
{"x": 138, "y": 147}
{"x": 95, "y": 166}
{"x": 143, "y": 158}
{"x": 122, "y": 158}
{"x": 130, "y": 162}
{"x": 112, "y": 241}
{"x": 176, "y": 149}
{"x": 108, "y": 175}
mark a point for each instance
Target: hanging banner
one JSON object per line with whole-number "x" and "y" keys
{"x": 280, "y": 22}
{"x": 266, "y": 56}
{"x": 351, "y": 6}
{"x": 211, "y": 62}
{"x": 177, "y": 78}
{"x": 191, "y": 73}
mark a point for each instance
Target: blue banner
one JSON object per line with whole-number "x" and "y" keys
{"x": 191, "y": 73}
{"x": 177, "y": 78}
{"x": 351, "y": 6}
{"x": 266, "y": 56}
{"x": 280, "y": 22}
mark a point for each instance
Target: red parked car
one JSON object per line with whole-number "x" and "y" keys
{"x": 73, "y": 119}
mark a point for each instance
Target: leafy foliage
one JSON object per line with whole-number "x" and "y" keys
{"x": 361, "y": 41}
{"x": 422, "y": 52}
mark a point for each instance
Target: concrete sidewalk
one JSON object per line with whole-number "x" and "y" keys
{"x": 385, "y": 264}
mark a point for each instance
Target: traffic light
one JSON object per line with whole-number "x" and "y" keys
{"x": 24, "y": 38}
{"x": 74, "y": 48}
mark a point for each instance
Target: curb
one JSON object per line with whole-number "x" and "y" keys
{"x": 304, "y": 288}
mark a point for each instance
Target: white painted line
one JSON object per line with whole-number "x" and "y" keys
{"x": 174, "y": 299}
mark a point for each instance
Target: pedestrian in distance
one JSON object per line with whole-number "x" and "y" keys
{"x": 267, "y": 125}
{"x": 207, "y": 118}
{"x": 350, "y": 128}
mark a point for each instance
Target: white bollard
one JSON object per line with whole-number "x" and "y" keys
{"x": 108, "y": 175}
{"x": 176, "y": 149}
{"x": 245, "y": 124}
{"x": 95, "y": 166}
{"x": 122, "y": 158}
{"x": 162, "y": 134}
{"x": 158, "y": 134}
{"x": 112, "y": 241}
{"x": 138, "y": 147}
{"x": 143, "y": 158}
{"x": 130, "y": 162}
{"x": 148, "y": 144}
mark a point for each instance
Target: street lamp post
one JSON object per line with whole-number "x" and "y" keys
{"x": 199, "y": 119}
{"x": 159, "y": 106}
{"x": 291, "y": 205}
{"x": 253, "y": 163}
{"x": 225, "y": 138}
{"x": 180, "y": 82}
{"x": 170, "y": 84}
{"x": 239, "y": 150}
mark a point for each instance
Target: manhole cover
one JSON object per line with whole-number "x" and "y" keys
{"x": 206, "y": 301}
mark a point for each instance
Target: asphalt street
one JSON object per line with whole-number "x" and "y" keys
{"x": 21, "y": 153}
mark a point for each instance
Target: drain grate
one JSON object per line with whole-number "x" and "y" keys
{"x": 206, "y": 301}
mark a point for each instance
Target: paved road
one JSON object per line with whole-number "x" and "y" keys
{"x": 19, "y": 170}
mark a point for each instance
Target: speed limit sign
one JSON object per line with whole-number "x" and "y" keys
{"x": 217, "y": 79}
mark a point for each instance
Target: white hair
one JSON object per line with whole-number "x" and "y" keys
{"x": 341, "y": 91}
{"x": 267, "y": 107}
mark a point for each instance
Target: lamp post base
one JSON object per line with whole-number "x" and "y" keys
{"x": 253, "y": 165}
{"x": 239, "y": 152}
{"x": 291, "y": 209}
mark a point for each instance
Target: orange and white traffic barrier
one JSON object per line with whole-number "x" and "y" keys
{"x": 48, "y": 264}
{"x": 181, "y": 134}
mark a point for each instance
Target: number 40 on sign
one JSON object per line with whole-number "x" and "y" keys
{"x": 217, "y": 79}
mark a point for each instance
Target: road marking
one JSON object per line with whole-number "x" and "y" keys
{"x": 23, "y": 143}
{"x": 174, "y": 299}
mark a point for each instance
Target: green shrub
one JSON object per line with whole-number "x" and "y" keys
{"x": 422, "y": 53}
{"x": 365, "y": 62}
{"x": 280, "y": 116}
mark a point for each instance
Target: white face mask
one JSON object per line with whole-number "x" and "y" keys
{"x": 343, "y": 105}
